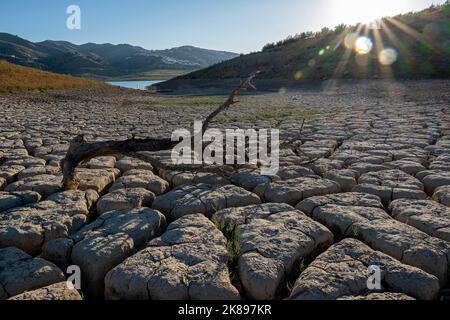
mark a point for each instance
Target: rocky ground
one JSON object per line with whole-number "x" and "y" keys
{"x": 377, "y": 195}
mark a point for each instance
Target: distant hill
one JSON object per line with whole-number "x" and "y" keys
{"x": 15, "y": 78}
{"x": 410, "y": 46}
{"x": 105, "y": 60}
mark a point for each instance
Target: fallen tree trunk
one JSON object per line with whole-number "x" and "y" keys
{"x": 81, "y": 150}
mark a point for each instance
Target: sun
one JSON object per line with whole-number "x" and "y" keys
{"x": 366, "y": 11}
{"x": 369, "y": 39}
{"x": 363, "y": 45}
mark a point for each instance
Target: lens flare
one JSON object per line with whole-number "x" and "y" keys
{"x": 388, "y": 56}
{"x": 350, "y": 40}
{"x": 298, "y": 75}
{"x": 363, "y": 45}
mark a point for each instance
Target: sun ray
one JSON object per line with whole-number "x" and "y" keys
{"x": 416, "y": 35}
{"x": 343, "y": 61}
{"x": 385, "y": 70}
{"x": 388, "y": 85}
{"x": 346, "y": 56}
{"x": 366, "y": 30}
{"x": 394, "y": 39}
{"x": 363, "y": 48}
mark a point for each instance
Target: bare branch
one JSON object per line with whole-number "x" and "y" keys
{"x": 230, "y": 101}
{"x": 81, "y": 150}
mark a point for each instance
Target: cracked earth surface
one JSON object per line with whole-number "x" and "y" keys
{"x": 377, "y": 193}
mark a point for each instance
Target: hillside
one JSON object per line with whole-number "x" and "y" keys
{"x": 409, "y": 46}
{"x": 105, "y": 60}
{"x": 15, "y": 78}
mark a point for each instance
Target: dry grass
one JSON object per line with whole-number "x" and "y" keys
{"x": 14, "y": 78}
{"x": 186, "y": 101}
{"x": 249, "y": 109}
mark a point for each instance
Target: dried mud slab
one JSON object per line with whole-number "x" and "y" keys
{"x": 385, "y": 296}
{"x": 188, "y": 262}
{"x": 342, "y": 271}
{"x": 294, "y": 191}
{"x": 410, "y": 167}
{"x": 390, "y": 185}
{"x": 10, "y": 172}
{"x": 356, "y": 217}
{"x": 113, "y": 237}
{"x": 44, "y": 184}
{"x": 55, "y": 292}
{"x": 126, "y": 164}
{"x": 29, "y": 227}
{"x": 125, "y": 199}
{"x": 426, "y": 215}
{"x": 273, "y": 239}
{"x": 249, "y": 179}
{"x": 96, "y": 179}
{"x": 346, "y": 178}
{"x": 17, "y": 199}
{"x": 19, "y": 272}
{"x": 434, "y": 180}
{"x": 139, "y": 178}
{"x": 293, "y": 172}
{"x": 442, "y": 195}
{"x": 108, "y": 162}
{"x": 179, "y": 178}
{"x": 203, "y": 198}
{"x": 38, "y": 170}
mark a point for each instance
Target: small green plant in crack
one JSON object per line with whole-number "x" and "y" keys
{"x": 325, "y": 171}
{"x": 355, "y": 233}
{"x": 233, "y": 234}
{"x": 290, "y": 286}
{"x": 292, "y": 278}
{"x": 234, "y": 247}
{"x": 301, "y": 266}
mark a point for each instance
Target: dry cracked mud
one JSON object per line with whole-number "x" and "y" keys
{"x": 368, "y": 185}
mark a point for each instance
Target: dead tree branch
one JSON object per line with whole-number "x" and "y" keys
{"x": 81, "y": 150}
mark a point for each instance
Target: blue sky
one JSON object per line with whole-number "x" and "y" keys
{"x": 234, "y": 25}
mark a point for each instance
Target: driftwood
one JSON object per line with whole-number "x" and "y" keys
{"x": 81, "y": 150}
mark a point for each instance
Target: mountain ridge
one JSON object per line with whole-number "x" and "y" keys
{"x": 105, "y": 60}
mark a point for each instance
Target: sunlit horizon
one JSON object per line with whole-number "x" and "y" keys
{"x": 232, "y": 25}
{"x": 366, "y": 42}
{"x": 357, "y": 11}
